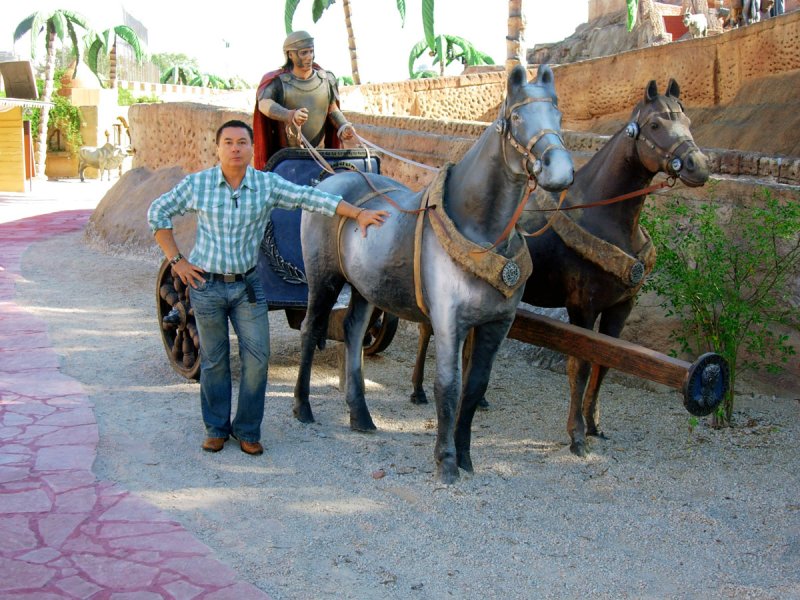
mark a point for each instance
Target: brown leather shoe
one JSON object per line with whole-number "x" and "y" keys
{"x": 214, "y": 444}
{"x": 253, "y": 448}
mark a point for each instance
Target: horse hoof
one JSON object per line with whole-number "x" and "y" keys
{"x": 303, "y": 413}
{"x": 447, "y": 475}
{"x": 465, "y": 462}
{"x": 579, "y": 449}
{"x": 363, "y": 425}
{"x": 597, "y": 434}
{"x": 419, "y": 398}
{"x": 483, "y": 404}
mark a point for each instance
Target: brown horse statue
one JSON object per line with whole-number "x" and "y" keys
{"x": 433, "y": 260}
{"x": 594, "y": 260}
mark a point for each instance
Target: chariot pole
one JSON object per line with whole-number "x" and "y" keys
{"x": 703, "y": 383}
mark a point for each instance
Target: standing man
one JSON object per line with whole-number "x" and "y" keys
{"x": 233, "y": 202}
{"x": 298, "y": 95}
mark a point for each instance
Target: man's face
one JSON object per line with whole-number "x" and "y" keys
{"x": 303, "y": 58}
{"x": 235, "y": 149}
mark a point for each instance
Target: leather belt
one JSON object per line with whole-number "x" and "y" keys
{"x": 229, "y": 277}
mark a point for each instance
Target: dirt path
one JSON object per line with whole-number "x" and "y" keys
{"x": 656, "y": 511}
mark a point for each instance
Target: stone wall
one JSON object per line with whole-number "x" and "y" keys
{"x": 177, "y": 134}
{"x": 711, "y": 72}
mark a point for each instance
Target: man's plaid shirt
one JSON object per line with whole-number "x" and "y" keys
{"x": 230, "y": 225}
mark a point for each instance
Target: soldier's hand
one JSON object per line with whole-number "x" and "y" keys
{"x": 348, "y": 133}
{"x": 299, "y": 116}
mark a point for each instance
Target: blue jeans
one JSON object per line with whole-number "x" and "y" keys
{"x": 215, "y": 302}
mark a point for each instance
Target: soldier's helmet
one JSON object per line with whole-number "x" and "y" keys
{"x": 297, "y": 40}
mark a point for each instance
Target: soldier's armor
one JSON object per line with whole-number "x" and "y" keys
{"x": 314, "y": 94}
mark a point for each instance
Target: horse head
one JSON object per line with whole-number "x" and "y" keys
{"x": 530, "y": 125}
{"x": 660, "y": 130}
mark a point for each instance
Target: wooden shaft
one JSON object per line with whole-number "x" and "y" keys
{"x": 599, "y": 348}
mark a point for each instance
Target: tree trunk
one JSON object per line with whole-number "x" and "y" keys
{"x": 351, "y": 42}
{"x": 515, "y": 50}
{"x": 47, "y": 96}
{"x": 112, "y": 68}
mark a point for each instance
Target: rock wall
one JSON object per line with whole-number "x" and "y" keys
{"x": 177, "y": 134}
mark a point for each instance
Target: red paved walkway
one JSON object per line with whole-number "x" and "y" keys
{"x": 63, "y": 533}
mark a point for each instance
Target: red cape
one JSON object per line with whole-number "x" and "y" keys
{"x": 266, "y": 138}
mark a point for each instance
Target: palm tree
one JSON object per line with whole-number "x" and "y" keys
{"x": 515, "y": 52}
{"x": 106, "y": 42}
{"x": 319, "y": 7}
{"x": 57, "y": 24}
{"x": 445, "y": 50}
{"x": 209, "y": 80}
{"x": 180, "y": 74}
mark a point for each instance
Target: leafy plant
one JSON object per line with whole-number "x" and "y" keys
{"x": 729, "y": 282}
{"x": 62, "y": 116}
{"x": 105, "y": 43}
{"x": 446, "y": 49}
{"x": 319, "y": 6}
{"x": 126, "y": 98}
{"x": 55, "y": 25}
{"x": 165, "y": 60}
{"x": 180, "y": 74}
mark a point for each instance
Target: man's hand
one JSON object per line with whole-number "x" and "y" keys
{"x": 365, "y": 218}
{"x": 189, "y": 273}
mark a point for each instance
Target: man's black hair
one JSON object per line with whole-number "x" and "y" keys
{"x": 234, "y": 123}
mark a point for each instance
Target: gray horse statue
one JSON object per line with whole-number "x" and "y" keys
{"x": 594, "y": 260}
{"x": 448, "y": 256}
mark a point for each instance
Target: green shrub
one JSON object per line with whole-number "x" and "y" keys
{"x": 64, "y": 116}
{"x": 126, "y": 98}
{"x": 729, "y": 281}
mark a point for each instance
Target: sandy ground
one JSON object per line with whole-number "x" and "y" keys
{"x": 657, "y": 511}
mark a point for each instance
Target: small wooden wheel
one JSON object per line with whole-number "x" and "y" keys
{"x": 176, "y": 322}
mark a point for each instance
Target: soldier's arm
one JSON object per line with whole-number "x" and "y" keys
{"x": 268, "y": 103}
{"x": 344, "y": 128}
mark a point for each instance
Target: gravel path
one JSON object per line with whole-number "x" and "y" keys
{"x": 657, "y": 511}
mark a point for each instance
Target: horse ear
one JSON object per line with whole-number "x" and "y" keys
{"x": 651, "y": 91}
{"x": 673, "y": 89}
{"x": 517, "y": 78}
{"x": 545, "y": 75}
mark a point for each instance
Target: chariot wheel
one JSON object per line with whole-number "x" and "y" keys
{"x": 176, "y": 322}
{"x": 380, "y": 333}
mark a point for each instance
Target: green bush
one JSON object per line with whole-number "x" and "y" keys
{"x": 63, "y": 115}
{"x": 729, "y": 281}
{"x": 126, "y": 98}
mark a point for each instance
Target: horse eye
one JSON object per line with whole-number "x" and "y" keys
{"x": 654, "y": 125}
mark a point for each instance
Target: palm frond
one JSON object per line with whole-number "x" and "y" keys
{"x": 288, "y": 14}
{"x": 401, "y": 8}
{"x": 129, "y": 36}
{"x": 427, "y": 22}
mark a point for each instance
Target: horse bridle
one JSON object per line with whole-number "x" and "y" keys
{"x": 672, "y": 162}
{"x": 503, "y": 127}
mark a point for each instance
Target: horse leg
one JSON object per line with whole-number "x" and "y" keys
{"x": 313, "y": 330}
{"x": 612, "y": 321}
{"x": 466, "y": 356}
{"x": 446, "y": 390}
{"x": 486, "y": 340}
{"x": 418, "y": 395}
{"x": 356, "y": 324}
{"x": 578, "y": 374}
